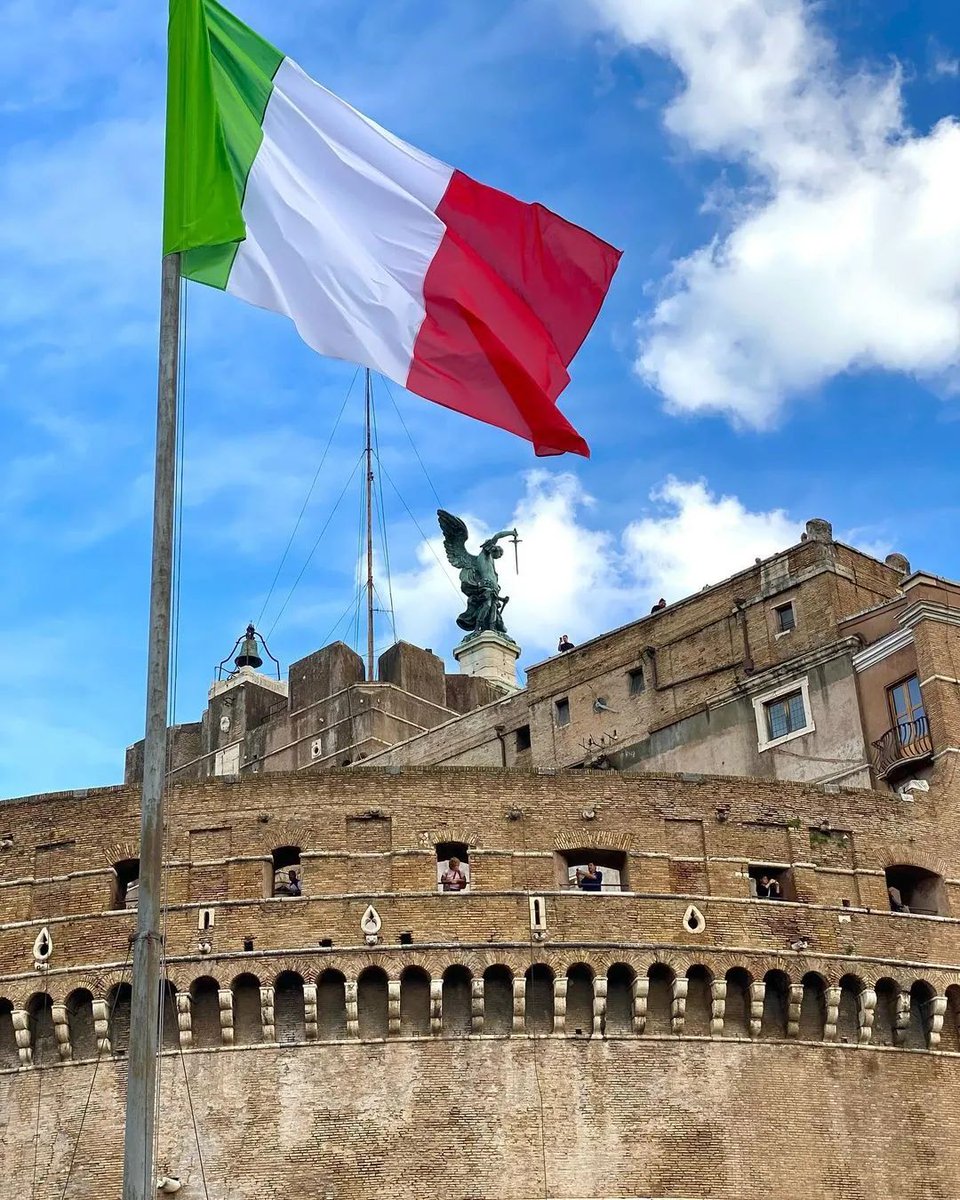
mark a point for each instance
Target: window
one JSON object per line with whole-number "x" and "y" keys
{"x": 785, "y": 715}
{"x": 523, "y": 739}
{"x": 786, "y": 617}
{"x": 770, "y": 883}
{"x": 608, "y": 874}
{"x": 562, "y": 711}
{"x": 127, "y": 883}
{"x": 637, "y": 682}
{"x": 286, "y": 875}
{"x": 915, "y": 890}
{"x": 906, "y": 710}
{"x": 453, "y": 867}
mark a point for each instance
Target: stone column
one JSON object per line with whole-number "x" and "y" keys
{"x": 933, "y": 1013}
{"x": 757, "y": 993}
{"x": 678, "y": 1009}
{"x": 866, "y": 1006}
{"x": 560, "y": 986}
{"x": 718, "y": 1006}
{"x": 519, "y": 995}
{"x": 476, "y": 1006}
{"x": 350, "y": 999}
{"x": 641, "y": 994}
{"x": 832, "y": 997}
{"x": 184, "y": 1020}
{"x": 436, "y": 1007}
{"x": 393, "y": 1008}
{"x": 902, "y": 1022}
{"x": 225, "y": 999}
{"x": 21, "y": 1030}
{"x": 101, "y": 1026}
{"x": 61, "y": 1031}
{"x": 599, "y": 1004}
{"x": 794, "y": 1004}
{"x": 267, "y": 1019}
{"x": 310, "y": 1011}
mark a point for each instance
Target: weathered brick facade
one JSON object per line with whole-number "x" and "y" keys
{"x": 674, "y": 1038}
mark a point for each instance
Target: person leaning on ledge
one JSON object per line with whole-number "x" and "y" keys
{"x": 291, "y": 888}
{"x": 453, "y": 879}
{"x": 590, "y": 880}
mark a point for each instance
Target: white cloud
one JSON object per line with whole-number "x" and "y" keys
{"x": 582, "y": 581}
{"x": 841, "y": 253}
{"x": 698, "y": 538}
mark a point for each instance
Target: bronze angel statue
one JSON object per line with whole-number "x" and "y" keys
{"x": 478, "y": 575}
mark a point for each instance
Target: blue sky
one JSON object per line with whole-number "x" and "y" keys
{"x": 782, "y": 339}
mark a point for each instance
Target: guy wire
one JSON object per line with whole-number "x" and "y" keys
{"x": 303, "y": 509}
{"x": 96, "y": 1068}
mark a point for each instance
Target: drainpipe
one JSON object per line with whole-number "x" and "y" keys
{"x": 499, "y": 730}
{"x": 742, "y": 618}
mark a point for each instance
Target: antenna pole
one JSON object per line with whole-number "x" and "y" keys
{"x": 368, "y": 391}
{"x": 138, "y": 1166}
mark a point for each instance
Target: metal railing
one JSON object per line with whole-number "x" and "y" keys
{"x": 906, "y": 742}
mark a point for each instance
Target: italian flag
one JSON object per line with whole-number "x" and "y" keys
{"x": 279, "y": 192}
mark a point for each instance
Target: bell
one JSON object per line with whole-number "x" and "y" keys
{"x": 249, "y": 656}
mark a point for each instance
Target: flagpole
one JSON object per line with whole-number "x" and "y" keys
{"x": 368, "y": 388}
{"x": 138, "y": 1166}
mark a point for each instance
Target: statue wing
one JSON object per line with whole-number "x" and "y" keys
{"x": 455, "y": 540}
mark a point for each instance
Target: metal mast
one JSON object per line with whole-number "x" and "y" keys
{"x": 368, "y": 393}
{"x": 138, "y": 1166}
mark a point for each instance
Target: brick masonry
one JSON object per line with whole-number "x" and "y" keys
{"x": 806, "y": 1048}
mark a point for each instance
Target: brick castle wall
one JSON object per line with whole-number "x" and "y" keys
{"x": 807, "y": 1048}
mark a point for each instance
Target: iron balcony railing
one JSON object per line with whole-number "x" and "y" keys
{"x": 906, "y": 742}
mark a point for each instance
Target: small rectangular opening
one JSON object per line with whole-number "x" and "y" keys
{"x": 592, "y": 870}
{"x": 771, "y": 883}
{"x": 285, "y": 874}
{"x": 523, "y": 739}
{"x": 786, "y": 617}
{"x": 562, "y": 711}
{"x": 326, "y": 943}
{"x": 453, "y": 867}
{"x": 914, "y": 890}
{"x": 406, "y": 939}
{"x": 637, "y": 682}
{"x": 248, "y": 944}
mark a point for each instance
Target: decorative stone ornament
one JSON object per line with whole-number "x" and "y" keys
{"x": 693, "y": 920}
{"x": 42, "y": 949}
{"x": 370, "y": 926}
{"x": 538, "y": 918}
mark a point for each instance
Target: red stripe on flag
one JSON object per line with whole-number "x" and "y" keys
{"x": 510, "y": 295}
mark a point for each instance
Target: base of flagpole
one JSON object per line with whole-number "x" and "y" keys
{"x": 490, "y": 656}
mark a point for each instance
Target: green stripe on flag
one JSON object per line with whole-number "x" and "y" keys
{"x": 225, "y": 75}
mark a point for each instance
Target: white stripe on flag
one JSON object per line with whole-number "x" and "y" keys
{"x": 341, "y": 227}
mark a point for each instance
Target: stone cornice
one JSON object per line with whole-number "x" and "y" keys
{"x": 877, "y": 651}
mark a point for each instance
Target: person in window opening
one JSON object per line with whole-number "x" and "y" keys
{"x": 769, "y": 888}
{"x": 292, "y": 887}
{"x": 454, "y": 878}
{"x": 589, "y": 880}
{"x": 896, "y": 900}
{"x": 565, "y": 644}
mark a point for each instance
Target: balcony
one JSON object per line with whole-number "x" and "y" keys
{"x": 901, "y": 747}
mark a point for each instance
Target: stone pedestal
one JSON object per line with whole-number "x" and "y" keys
{"x": 490, "y": 656}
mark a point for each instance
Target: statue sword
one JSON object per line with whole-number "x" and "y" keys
{"x": 516, "y": 552}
